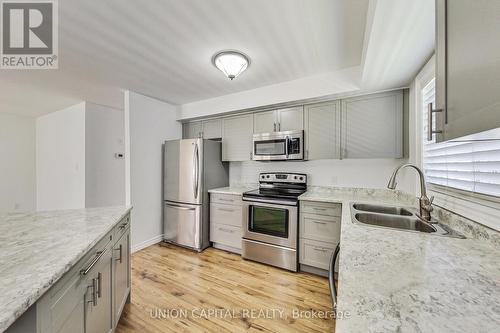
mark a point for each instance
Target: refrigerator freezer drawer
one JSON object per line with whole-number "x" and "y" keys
{"x": 182, "y": 224}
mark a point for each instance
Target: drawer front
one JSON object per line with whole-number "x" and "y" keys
{"x": 321, "y": 208}
{"x": 226, "y": 234}
{"x": 228, "y": 199}
{"x": 122, "y": 227}
{"x": 226, "y": 214}
{"x": 319, "y": 227}
{"x": 316, "y": 253}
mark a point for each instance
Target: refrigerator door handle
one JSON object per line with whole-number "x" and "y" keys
{"x": 179, "y": 206}
{"x": 196, "y": 171}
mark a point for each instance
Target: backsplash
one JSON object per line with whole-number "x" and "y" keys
{"x": 373, "y": 173}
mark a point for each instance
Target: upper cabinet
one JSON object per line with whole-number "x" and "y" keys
{"x": 237, "y": 138}
{"x": 372, "y": 126}
{"x": 192, "y": 130}
{"x": 467, "y": 67}
{"x": 288, "y": 119}
{"x": 264, "y": 122}
{"x": 322, "y": 131}
{"x": 212, "y": 129}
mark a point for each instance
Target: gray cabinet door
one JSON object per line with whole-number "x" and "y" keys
{"x": 192, "y": 130}
{"x": 212, "y": 129}
{"x": 291, "y": 119}
{"x": 121, "y": 276}
{"x": 372, "y": 126}
{"x": 98, "y": 317}
{"x": 264, "y": 122}
{"x": 322, "y": 130}
{"x": 237, "y": 138}
{"x": 471, "y": 51}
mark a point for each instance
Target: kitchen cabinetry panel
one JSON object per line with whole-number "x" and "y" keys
{"x": 192, "y": 130}
{"x": 372, "y": 126}
{"x": 321, "y": 228}
{"x": 226, "y": 214}
{"x": 121, "y": 274}
{"x": 322, "y": 131}
{"x": 212, "y": 129}
{"x": 291, "y": 119}
{"x": 467, "y": 66}
{"x": 315, "y": 253}
{"x": 264, "y": 122}
{"x": 237, "y": 138}
{"x": 98, "y": 303}
{"x": 228, "y": 235}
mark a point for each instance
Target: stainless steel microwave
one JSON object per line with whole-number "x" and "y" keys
{"x": 278, "y": 146}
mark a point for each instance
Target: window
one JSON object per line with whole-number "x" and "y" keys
{"x": 471, "y": 164}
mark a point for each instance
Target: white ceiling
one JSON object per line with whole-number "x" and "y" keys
{"x": 163, "y": 49}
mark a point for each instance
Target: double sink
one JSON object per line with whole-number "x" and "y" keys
{"x": 399, "y": 218}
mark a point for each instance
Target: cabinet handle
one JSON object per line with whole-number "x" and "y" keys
{"x": 320, "y": 249}
{"x": 120, "y": 251}
{"x": 227, "y": 200}
{"x": 430, "y": 131}
{"x": 274, "y": 128}
{"x": 320, "y": 209}
{"x": 226, "y": 210}
{"x": 318, "y": 222}
{"x": 94, "y": 261}
{"x": 99, "y": 285}
{"x": 226, "y": 230}
{"x": 94, "y": 292}
{"x": 251, "y": 155}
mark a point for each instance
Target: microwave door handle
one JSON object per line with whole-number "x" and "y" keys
{"x": 287, "y": 142}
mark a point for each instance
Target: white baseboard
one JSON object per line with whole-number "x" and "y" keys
{"x": 226, "y": 248}
{"x": 146, "y": 243}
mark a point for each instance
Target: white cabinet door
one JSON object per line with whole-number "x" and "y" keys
{"x": 237, "y": 138}
{"x": 212, "y": 129}
{"x": 192, "y": 130}
{"x": 322, "y": 130}
{"x": 372, "y": 126}
{"x": 265, "y": 122}
{"x": 291, "y": 119}
{"x": 468, "y": 85}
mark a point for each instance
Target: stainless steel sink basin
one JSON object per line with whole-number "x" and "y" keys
{"x": 382, "y": 209}
{"x": 393, "y": 221}
{"x": 397, "y": 218}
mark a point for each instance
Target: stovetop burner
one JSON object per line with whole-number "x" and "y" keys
{"x": 279, "y": 185}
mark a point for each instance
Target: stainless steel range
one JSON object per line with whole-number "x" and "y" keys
{"x": 270, "y": 219}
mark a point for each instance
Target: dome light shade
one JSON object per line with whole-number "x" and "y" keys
{"x": 231, "y": 63}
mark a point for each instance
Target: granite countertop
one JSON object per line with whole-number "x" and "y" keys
{"x": 37, "y": 248}
{"x": 234, "y": 189}
{"x": 397, "y": 281}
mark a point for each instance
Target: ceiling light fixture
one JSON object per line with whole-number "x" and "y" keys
{"x": 231, "y": 63}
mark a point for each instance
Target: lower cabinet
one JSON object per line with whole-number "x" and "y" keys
{"x": 90, "y": 297}
{"x": 121, "y": 275}
{"x": 319, "y": 234}
{"x": 226, "y": 221}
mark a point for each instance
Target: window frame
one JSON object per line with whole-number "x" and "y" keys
{"x": 481, "y": 208}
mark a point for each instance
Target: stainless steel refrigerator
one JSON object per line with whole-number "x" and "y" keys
{"x": 191, "y": 167}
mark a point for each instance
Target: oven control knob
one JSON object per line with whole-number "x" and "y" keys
{"x": 294, "y": 177}
{"x": 301, "y": 178}
{"x": 268, "y": 176}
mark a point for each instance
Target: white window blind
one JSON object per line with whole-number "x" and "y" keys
{"x": 463, "y": 164}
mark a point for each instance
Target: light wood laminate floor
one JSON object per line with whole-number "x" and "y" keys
{"x": 217, "y": 291}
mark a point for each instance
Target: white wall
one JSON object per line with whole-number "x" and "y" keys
{"x": 343, "y": 173}
{"x": 342, "y": 81}
{"x": 17, "y": 163}
{"x": 148, "y": 123}
{"x": 104, "y": 173}
{"x": 60, "y": 159}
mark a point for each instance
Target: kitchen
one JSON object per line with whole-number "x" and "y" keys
{"x": 285, "y": 166}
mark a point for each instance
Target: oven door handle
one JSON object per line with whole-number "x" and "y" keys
{"x": 272, "y": 202}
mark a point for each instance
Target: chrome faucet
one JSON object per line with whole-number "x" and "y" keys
{"x": 424, "y": 202}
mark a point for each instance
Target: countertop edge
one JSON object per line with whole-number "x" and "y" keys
{"x": 17, "y": 313}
